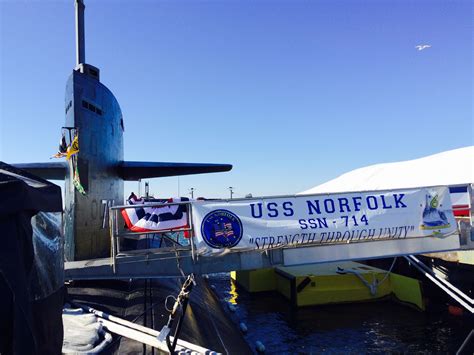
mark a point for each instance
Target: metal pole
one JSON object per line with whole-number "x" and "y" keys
{"x": 231, "y": 189}
{"x": 140, "y": 333}
{"x": 80, "y": 36}
{"x": 117, "y": 249}
{"x": 191, "y": 232}
{"x": 191, "y": 192}
{"x": 470, "y": 193}
{"x": 440, "y": 285}
{"x": 465, "y": 342}
{"x": 446, "y": 283}
{"x": 112, "y": 238}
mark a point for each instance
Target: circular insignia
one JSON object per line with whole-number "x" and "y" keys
{"x": 221, "y": 229}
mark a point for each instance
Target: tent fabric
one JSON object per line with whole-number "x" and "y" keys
{"x": 22, "y": 331}
{"x": 22, "y": 191}
{"x": 16, "y": 261}
{"x": 449, "y": 168}
{"x": 48, "y": 248}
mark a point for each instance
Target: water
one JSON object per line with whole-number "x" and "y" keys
{"x": 370, "y": 328}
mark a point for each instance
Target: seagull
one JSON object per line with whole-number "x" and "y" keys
{"x": 420, "y": 47}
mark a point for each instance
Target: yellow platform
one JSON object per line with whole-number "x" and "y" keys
{"x": 256, "y": 280}
{"x": 320, "y": 284}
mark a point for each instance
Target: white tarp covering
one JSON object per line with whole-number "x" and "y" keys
{"x": 453, "y": 167}
{"x": 395, "y": 216}
{"x": 83, "y": 334}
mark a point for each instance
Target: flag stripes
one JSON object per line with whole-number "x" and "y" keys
{"x": 155, "y": 219}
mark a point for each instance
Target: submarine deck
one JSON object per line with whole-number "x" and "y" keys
{"x": 205, "y": 323}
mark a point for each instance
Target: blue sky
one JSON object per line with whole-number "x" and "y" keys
{"x": 292, "y": 93}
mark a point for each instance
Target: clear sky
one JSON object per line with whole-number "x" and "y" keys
{"x": 292, "y": 93}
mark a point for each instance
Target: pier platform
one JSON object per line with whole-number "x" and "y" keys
{"x": 332, "y": 283}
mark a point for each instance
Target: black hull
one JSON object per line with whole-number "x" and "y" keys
{"x": 205, "y": 323}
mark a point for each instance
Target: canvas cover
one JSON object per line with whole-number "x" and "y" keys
{"x": 450, "y": 168}
{"x": 31, "y": 270}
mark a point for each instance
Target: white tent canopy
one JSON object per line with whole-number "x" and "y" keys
{"x": 453, "y": 167}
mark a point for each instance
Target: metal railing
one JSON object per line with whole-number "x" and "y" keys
{"x": 465, "y": 226}
{"x": 117, "y": 233}
{"x": 465, "y": 343}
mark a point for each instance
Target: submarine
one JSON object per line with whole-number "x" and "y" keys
{"x": 93, "y": 115}
{"x": 94, "y": 178}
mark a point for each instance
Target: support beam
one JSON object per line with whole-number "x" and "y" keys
{"x": 443, "y": 285}
{"x": 142, "y": 334}
{"x": 160, "y": 264}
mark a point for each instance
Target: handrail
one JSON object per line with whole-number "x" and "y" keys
{"x": 442, "y": 285}
{"x": 131, "y": 234}
{"x": 443, "y": 281}
{"x": 150, "y": 204}
{"x": 115, "y": 234}
{"x": 465, "y": 342}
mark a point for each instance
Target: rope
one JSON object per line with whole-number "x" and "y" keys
{"x": 169, "y": 309}
{"x": 373, "y": 287}
{"x": 180, "y": 303}
{"x": 179, "y": 265}
{"x": 389, "y": 270}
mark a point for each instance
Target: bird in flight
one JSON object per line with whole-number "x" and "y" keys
{"x": 420, "y": 47}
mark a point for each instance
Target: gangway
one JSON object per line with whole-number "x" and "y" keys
{"x": 300, "y": 229}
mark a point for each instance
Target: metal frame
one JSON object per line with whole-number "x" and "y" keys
{"x": 336, "y": 193}
{"x": 190, "y": 249}
{"x": 172, "y": 261}
{"x": 115, "y": 233}
{"x": 452, "y": 291}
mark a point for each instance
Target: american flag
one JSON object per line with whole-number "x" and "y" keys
{"x": 156, "y": 218}
{"x": 223, "y": 229}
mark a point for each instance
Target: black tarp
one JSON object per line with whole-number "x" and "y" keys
{"x": 30, "y": 314}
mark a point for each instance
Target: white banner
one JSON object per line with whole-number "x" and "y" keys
{"x": 324, "y": 220}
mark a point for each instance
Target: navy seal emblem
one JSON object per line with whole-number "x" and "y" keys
{"x": 221, "y": 229}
